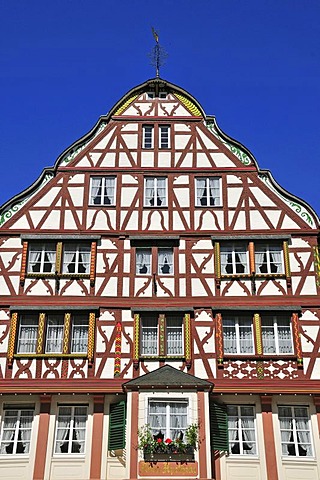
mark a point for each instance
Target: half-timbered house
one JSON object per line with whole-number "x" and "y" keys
{"x": 155, "y": 275}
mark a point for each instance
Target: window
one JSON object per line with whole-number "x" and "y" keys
{"x": 170, "y": 344}
{"x": 295, "y": 431}
{"x": 165, "y": 261}
{"x": 16, "y": 431}
{"x": 276, "y": 335}
{"x": 42, "y": 258}
{"x": 234, "y": 259}
{"x": 169, "y": 419}
{"x": 150, "y": 95}
{"x": 163, "y": 95}
{"x": 155, "y": 192}
{"x": 56, "y": 333}
{"x": 208, "y": 191}
{"x": 102, "y": 190}
{"x": 242, "y": 430}
{"x": 71, "y": 429}
{"x": 76, "y": 258}
{"x": 268, "y": 258}
{"x": 147, "y": 141}
{"x": 164, "y": 136}
{"x": 237, "y": 335}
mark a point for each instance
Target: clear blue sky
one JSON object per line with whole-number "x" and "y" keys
{"x": 254, "y": 64}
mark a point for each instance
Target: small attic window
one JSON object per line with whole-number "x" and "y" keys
{"x": 163, "y": 94}
{"x": 150, "y": 95}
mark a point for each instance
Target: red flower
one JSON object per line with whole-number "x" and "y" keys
{"x": 159, "y": 440}
{"x": 168, "y": 441}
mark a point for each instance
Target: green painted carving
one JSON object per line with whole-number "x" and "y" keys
{"x": 73, "y": 153}
{"x": 296, "y": 207}
{"x": 240, "y": 154}
{"x": 15, "y": 208}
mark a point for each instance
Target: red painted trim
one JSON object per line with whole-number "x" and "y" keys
{"x": 42, "y": 440}
{"x": 203, "y": 469}
{"x": 134, "y": 436}
{"x": 97, "y": 435}
{"x": 268, "y": 434}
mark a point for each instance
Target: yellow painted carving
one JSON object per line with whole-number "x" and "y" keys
{"x": 67, "y": 320}
{"x": 136, "y": 342}
{"x": 189, "y": 105}
{"x": 125, "y": 105}
{"x": 286, "y": 259}
{"x": 317, "y": 263}
{"x": 217, "y": 259}
{"x": 12, "y": 338}
{"x": 91, "y": 331}
{"x": 42, "y": 317}
{"x": 187, "y": 333}
{"x": 251, "y": 257}
{"x": 59, "y": 257}
{"x": 257, "y": 326}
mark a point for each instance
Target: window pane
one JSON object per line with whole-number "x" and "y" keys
{"x": 27, "y": 335}
{"x": 79, "y": 335}
{"x": 155, "y": 192}
{"x": 149, "y": 336}
{"x": 208, "y": 191}
{"x": 241, "y": 428}
{"x": 76, "y": 258}
{"x": 295, "y": 431}
{"x": 16, "y": 432}
{"x": 143, "y": 261}
{"x": 174, "y": 328}
{"x": 42, "y": 258}
{"x": 71, "y": 430}
{"x": 147, "y": 136}
{"x": 54, "y": 337}
{"x": 102, "y": 191}
{"x": 168, "y": 418}
{"x": 165, "y": 261}
{"x": 234, "y": 259}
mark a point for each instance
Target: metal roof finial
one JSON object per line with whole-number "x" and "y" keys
{"x": 158, "y": 54}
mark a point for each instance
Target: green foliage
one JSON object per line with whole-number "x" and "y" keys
{"x": 149, "y": 444}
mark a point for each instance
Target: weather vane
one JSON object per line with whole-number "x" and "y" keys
{"x": 158, "y": 54}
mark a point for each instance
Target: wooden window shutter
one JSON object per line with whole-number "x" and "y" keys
{"x": 219, "y": 427}
{"x": 117, "y": 426}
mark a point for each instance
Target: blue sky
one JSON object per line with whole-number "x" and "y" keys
{"x": 255, "y": 65}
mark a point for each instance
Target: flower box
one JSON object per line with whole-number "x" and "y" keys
{"x": 169, "y": 457}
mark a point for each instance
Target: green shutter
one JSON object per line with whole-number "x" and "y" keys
{"x": 219, "y": 427}
{"x": 117, "y": 426}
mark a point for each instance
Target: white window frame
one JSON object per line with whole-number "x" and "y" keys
{"x": 17, "y": 431}
{"x": 241, "y": 430}
{"x": 234, "y": 249}
{"x": 173, "y": 329}
{"x": 42, "y": 249}
{"x": 275, "y": 329}
{"x": 79, "y": 334}
{"x": 217, "y": 200}
{"x": 71, "y": 428}
{"x": 102, "y": 188}
{"x": 148, "y": 136}
{"x": 164, "y": 136}
{"x": 237, "y": 329}
{"x": 150, "y": 324}
{"x": 167, "y": 427}
{"x": 77, "y": 250}
{"x": 294, "y": 430}
{"x": 26, "y": 333}
{"x": 147, "y": 251}
{"x": 54, "y": 333}
{"x": 269, "y": 260}
{"x": 155, "y": 187}
{"x": 161, "y": 266}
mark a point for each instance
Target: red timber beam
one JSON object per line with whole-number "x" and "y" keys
{"x": 268, "y": 434}
{"x": 42, "y": 440}
{"x": 97, "y": 435}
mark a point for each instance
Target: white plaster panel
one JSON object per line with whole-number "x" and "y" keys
{"x": 51, "y": 362}
{"x": 76, "y": 178}
{"x": 125, "y": 346}
{"x": 4, "y": 315}
{"x": 241, "y": 471}
{"x": 129, "y": 127}
{"x": 300, "y": 472}
{"x": 309, "y": 287}
{"x": 205, "y": 244}
{"x": 147, "y": 159}
{"x": 179, "y": 112}
{"x": 131, "y": 140}
{"x": 127, "y": 196}
{"x": 37, "y": 216}
{"x": 124, "y": 160}
{"x": 15, "y": 469}
{"x": 273, "y": 216}
{"x": 69, "y": 221}
{"x": 164, "y": 159}
{"x": 182, "y": 287}
{"x": 208, "y": 143}
{"x": 235, "y": 289}
{"x": 47, "y": 199}
{"x": 234, "y": 194}
{"x": 203, "y": 160}
{"x": 180, "y": 127}
{"x": 24, "y": 375}
{"x": 182, "y": 263}
{"x": 208, "y": 219}
{"x": 53, "y": 221}
{"x": 231, "y": 179}
{"x": 139, "y": 283}
{"x": 203, "y": 316}
{"x": 109, "y": 160}
{"x": 312, "y": 332}
{"x": 203, "y": 332}
{"x": 289, "y": 223}
{"x": 306, "y": 362}
{"x": 126, "y": 316}
{"x": 316, "y": 370}
{"x": 181, "y": 180}
{"x": 132, "y": 222}
{"x": 3, "y": 361}
{"x": 303, "y": 256}
{"x": 101, "y": 220}
{"x": 84, "y": 161}
{"x": 257, "y": 221}
{"x": 125, "y": 286}
{"x": 221, "y": 160}
{"x": 126, "y": 262}
{"x": 262, "y": 198}
{"x": 197, "y": 287}
{"x": 74, "y": 288}
{"x": 108, "y": 368}
{"x": 308, "y": 315}
{"x": 240, "y": 222}
{"x": 107, "y": 243}
{"x": 111, "y": 287}
{"x": 167, "y": 284}
{"x": 271, "y": 288}
{"x": 299, "y": 242}
{"x": 76, "y": 194}
{"x": 199, "y": 258}
{"x": 187, "y": 159}
{"x": 178, "y": 224}
{"x": 107, "y": 315}
{"x": 68, "y": 469}
{"x": 7, "y": 258}
{"x": 129, "y": 179}
{"x": 22, "y": 224}
{"x": 155, "y": 220}
{"x": 104, "y": 141}
{"x": 183, "y": 196}
{"x": 181, "y": 142}
{"x": 12, "y": 242}
{"x": 39, "y": 288}
{"x": 199, "y": 369}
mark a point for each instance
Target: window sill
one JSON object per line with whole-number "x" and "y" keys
{"x": 162, "y": 357}
{"x": 168, "y": 457}
{"x": 244, "y": 356}
{"x": 107, "y": 205}
{"x": 51, "y": 355}
{"x": 58, "y": 275}
{"x": 295, "y": 459}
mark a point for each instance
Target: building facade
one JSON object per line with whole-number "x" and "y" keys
{"x": 156, "y": 276}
